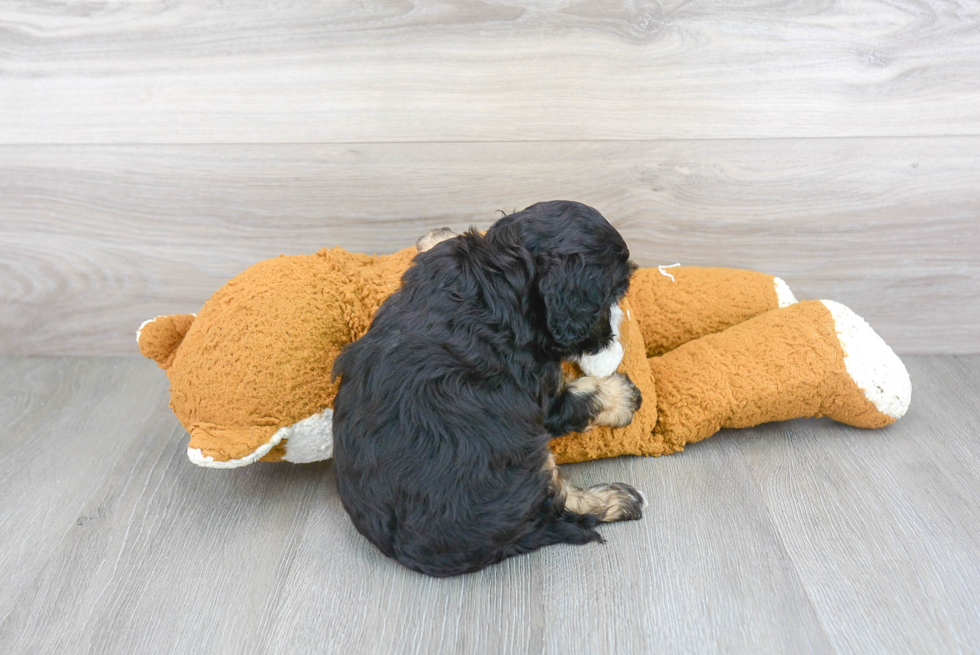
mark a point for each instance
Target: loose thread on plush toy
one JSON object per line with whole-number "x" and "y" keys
{"x": 665, "y": 273}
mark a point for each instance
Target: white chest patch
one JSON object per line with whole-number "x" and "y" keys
{"x": 606, "y": 362}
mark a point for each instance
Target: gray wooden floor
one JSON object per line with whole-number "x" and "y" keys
{"x": 806, "y": 536}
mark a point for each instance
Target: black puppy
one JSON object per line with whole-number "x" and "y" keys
{"x": 445, "y": 407}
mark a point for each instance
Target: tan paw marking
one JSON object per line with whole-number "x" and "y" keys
{"x": 615, "y": 398}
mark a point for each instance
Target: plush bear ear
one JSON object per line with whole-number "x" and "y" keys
{"x": 159, "y": 338}
{"x": 572, "y": 300}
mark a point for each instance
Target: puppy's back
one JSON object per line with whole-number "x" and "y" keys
{"x": 439, "y": 446}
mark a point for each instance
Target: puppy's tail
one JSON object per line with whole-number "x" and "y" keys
{"x": 556, "y": 529}
{"x": 547, "y": 530}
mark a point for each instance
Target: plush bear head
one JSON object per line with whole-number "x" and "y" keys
{"x": 250, "y": 374}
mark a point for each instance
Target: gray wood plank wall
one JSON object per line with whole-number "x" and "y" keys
{"x": 149, "y": 151}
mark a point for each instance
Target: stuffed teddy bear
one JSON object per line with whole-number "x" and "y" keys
{"x": 709, "y": 348}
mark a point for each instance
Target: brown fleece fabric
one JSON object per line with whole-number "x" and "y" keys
{"x": 159, "y": 338}
{"x": 787, "y": 363}
{"x": 698, "y": 301}
{"x": 259, "y": 354}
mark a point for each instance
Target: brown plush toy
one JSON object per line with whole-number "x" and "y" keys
{"x": 709, "y": 348}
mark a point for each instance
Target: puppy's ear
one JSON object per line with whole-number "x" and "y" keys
{"x": 572, "y": 300}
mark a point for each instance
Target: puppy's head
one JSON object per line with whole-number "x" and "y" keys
{"x": 582, "y": 269}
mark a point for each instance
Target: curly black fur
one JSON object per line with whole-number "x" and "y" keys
{"x": 447, "y": 404}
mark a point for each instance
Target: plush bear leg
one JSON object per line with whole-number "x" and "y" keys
{"x": 815, "y": 358}
{"x": 674, "y": 305}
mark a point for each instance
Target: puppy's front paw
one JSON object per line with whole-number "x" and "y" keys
{"x": 617, "y": 400}
{"x": 432, "y": 237}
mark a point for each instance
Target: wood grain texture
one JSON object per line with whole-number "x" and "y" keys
{"x": 171, "y": 560}
{"x": 618, "y": 597}
{"x": 705, "y": 531}
{"x": 94, "y": 240}
{"x": 801, "y": 537}
{"x": 884, "y": 527}
{"x": 63, "y": 425}
{"x": 202, "y": 72}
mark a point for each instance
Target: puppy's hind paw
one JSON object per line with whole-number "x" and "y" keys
{"x": 622, "y": 502}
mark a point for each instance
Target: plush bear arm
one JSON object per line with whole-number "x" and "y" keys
{"x": 676, "y": 305}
